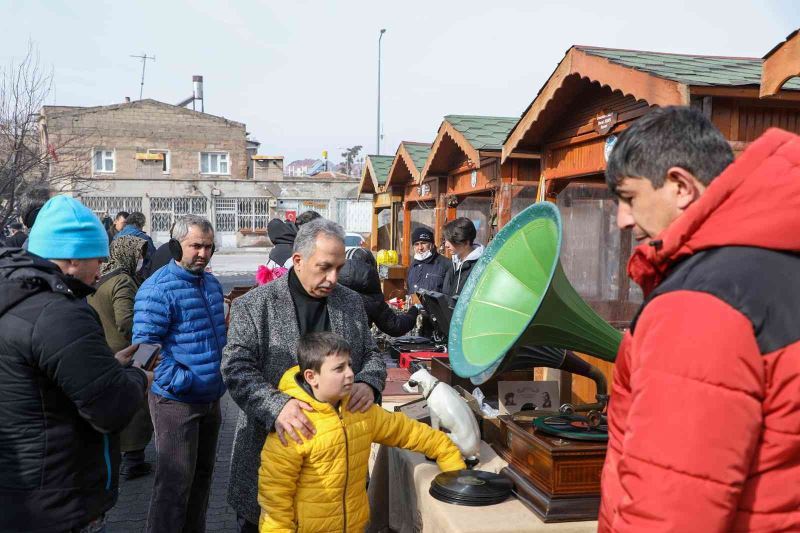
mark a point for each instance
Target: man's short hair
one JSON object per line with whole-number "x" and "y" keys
{"x": 15, "y": 226}
{"x": 123, "y": 214}
{"x": 181, "y": 227}
{"x": 306, "y": 240}
{"x": 313, "y": 348}
{"x": 136, "y": 219}
{"x": 29, "y": 217}
{"x": 664, "y": 138}
{"x": 306, "y": 217}
{"x": 460, "y": 231}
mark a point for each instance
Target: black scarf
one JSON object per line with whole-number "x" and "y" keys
{"x": 312, "y": 313}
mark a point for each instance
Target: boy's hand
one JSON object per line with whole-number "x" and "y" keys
{"x": 293, "y": 421}
{"x": 361, "y": 398}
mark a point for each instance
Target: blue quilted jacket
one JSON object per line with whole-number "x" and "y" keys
{"x": 183, "y": 312}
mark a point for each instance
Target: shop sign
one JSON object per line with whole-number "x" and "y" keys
{"x": 604, "y": 123}
{"x": 473, "y": 178}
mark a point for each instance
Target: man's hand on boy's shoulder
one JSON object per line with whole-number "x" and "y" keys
{"x": 361, "y": 398}
{"x": 292, "y": 421}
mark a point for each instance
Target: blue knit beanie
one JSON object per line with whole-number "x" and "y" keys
{"x": 67, "y": 229}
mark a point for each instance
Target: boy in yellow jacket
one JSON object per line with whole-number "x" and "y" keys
{"x": 320, "y": 485}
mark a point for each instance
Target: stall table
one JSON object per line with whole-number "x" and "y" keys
{"x": 400, "y": 502}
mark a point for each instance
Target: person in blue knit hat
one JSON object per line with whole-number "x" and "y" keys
{"x": 59, "y": 452}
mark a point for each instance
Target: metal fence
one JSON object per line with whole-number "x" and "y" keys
{"x": 234, "y": 214}
{"x": 164, "y": 210}
{"x": 112, "y": 205}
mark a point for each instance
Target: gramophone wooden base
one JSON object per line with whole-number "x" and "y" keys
{"x": 558, "y": 479}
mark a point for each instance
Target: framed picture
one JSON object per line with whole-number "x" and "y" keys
{"x": 515, "y": 396}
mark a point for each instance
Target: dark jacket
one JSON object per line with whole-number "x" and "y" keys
{"x": 147, "y": 268}
{"x": 704, "y": 412}
{"x": 282, "y": 235}
{"x": 16, "y": 240}
{"x": 363, "y": 278}
{"x": 63, "y": 395}
{"x": 160, "y": 258}
{"x": 457, "y": 275}
{"x": 428, "y": 274}
{"x": 263, "y": 346}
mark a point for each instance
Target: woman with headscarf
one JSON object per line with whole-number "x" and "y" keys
{"x": 113, "y": 299}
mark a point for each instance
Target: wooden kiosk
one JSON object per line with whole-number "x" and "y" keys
{"x": 418, "y": 199}
{"x": 594, "y": 94}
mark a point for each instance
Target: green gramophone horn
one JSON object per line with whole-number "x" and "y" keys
{"x": 518, "y": 296}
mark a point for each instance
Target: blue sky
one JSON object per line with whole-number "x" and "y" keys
{"x": 302, "y": 74}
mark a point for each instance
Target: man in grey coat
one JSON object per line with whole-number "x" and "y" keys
{"x": 265, "y": 326}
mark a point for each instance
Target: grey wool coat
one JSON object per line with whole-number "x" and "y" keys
{"x": 262, "y": 346}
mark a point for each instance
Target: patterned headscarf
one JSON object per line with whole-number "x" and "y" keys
{"x": 123, "y": 254}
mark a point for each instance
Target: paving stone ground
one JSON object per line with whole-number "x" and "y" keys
{"x": 130, "y": 513}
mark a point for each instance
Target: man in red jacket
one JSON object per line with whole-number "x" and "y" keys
{"x": 704, "y": 419}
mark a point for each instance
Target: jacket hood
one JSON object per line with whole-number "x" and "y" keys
{"x": 291, "y": 384}
{"x": 280, "y": 232}
{"x": 360, "y": 277}
{"x": 474, "y": 255}
{"x": 754, "y": 202}
{"x": 23, "y": 274}
{"x": 132, "y": 230}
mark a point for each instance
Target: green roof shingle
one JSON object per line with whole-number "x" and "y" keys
{"x": 690, "y": 69}
{"x": 483, "y": 133}
{"x": 419, "y": 153}
{"x": 381, "y": 165}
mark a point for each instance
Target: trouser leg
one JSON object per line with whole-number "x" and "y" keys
{"x": 176, "y": 426}
{"x": 204, "y": 471}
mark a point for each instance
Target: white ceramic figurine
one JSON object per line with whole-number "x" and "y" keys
{"x": 448, "y": 410}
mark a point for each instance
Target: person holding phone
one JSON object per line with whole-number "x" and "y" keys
{"x": 65, "y": 393}
{"x": 113, "y": 301}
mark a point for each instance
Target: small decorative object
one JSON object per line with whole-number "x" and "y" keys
{"x": 448, "y": 410}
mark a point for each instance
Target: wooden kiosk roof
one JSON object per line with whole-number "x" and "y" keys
{"x": 657, "y": 78}
{"x": 376, "y": 172}
{"x": 780, "y": 64}
{"x": 466, "y": 135}
{"x": 408, "y": 163}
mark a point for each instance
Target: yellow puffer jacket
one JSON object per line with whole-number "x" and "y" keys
{"x": 320, "y": 485}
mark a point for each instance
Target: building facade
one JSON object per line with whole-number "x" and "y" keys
{"x": 167, "y": 161}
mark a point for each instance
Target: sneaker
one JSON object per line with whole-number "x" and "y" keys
{"x": 137, "y": 470}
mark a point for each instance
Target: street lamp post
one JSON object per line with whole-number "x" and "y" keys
{"x": 378, "y": 132}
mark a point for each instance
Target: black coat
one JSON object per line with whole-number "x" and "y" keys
{"x": 282, "y": 235}
{"x": 429, "y": 273}
{"x": 63, "y": 395}
{"x": 455, "y": 280}
{"x": 363, "y": 278}
{"x": 161, "y": 257}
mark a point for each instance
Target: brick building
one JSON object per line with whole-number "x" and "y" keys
{"x": 166, "y": 160}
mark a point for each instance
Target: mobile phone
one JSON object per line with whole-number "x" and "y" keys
{"x": 146, "y": 355}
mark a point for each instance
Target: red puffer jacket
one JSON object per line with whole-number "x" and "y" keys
{"x": 704, "y": 417}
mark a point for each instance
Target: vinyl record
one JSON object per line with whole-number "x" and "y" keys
{"x": 576, "y": 427}
{"x": 470, "y": 487}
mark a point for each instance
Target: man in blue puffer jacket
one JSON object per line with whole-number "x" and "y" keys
{"x": 180, "y": 307}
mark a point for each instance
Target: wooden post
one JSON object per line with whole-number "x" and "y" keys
{"x": 405, "y": 254}
{"x": 373, "y": 239}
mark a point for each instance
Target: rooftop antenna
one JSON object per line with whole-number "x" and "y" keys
{"x": 144, "y": 57}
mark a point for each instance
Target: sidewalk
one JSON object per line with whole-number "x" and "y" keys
{"x": 130, "y": 513}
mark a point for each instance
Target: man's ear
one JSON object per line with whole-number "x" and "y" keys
{"x": 296, "y": 258}
{"x": 311, "y": 377}
{"x": 688, "y": 188}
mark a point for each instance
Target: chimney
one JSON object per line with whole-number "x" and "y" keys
{"x": 127, "y": 99}
{"x": 197, "y": 92}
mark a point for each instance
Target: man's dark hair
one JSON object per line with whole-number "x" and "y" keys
{"x": 313, "y": 348}
{"x": 664, "y": 138}
{"x": 123, "y": 214}
{"x": 460, "y": 230}
{"x": 305, "y": 217}
{"x": 136, "y": 219}
{"x": 15, "y": 226}
{"x": 29, "y": 217}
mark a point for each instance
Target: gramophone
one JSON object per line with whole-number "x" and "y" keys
{"x": 518, "y": 310}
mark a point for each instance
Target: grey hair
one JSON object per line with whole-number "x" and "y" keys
{"x": 306, "y": 239}
{"x": 181, "y": 228}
